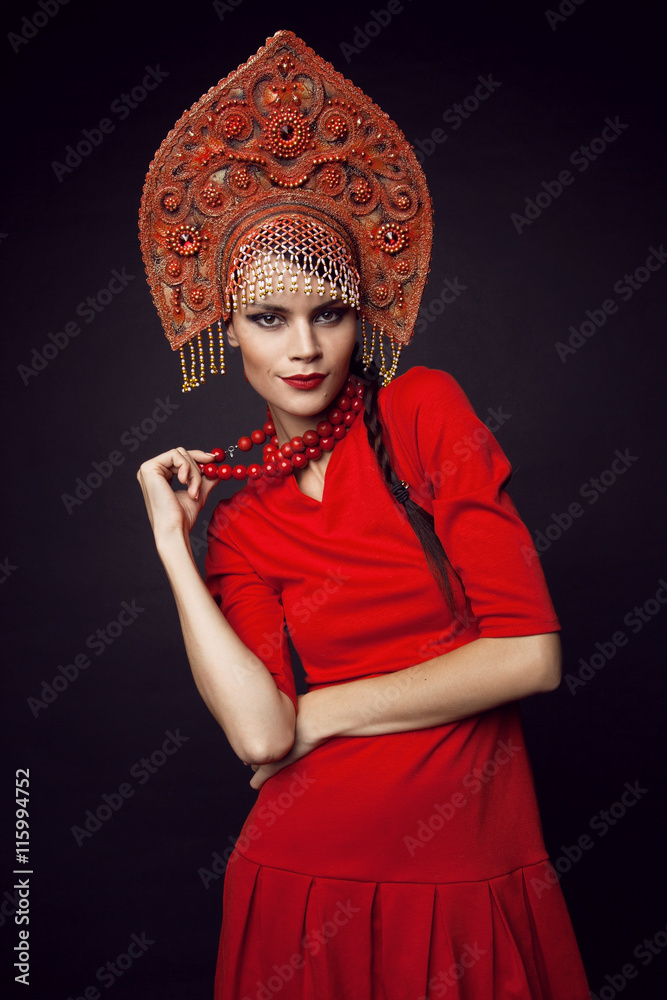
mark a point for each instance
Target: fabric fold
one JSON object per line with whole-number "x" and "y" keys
{"x": 296, "y": 937}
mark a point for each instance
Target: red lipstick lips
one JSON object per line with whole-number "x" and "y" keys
{"x": 305, "y": 381}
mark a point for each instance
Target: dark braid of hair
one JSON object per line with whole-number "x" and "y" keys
{"x": 420, "y": 520}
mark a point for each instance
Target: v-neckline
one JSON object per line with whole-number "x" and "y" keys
{"x": 335, "y": 458}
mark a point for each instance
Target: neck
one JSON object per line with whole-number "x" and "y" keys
{"x": 289, "y": 426}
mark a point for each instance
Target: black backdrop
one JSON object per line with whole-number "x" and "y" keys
{"x": 95, "y": 676}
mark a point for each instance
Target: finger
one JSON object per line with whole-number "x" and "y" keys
{"x": 188, "y": 473}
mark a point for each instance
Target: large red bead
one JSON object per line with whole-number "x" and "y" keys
{"x": 343, "y": 403}
{"x": 339, "y": 432}
{"x": 297, "y": 444}
{"x": 311, "y": 438}
{"x": 299, "y": 460}
{"x": 269, "y": 428}
{"x": 335, "y": 417}
{"x": 327, "y": 443}
{"x": 218, "y": 454}
{"x": 211, "y": 471}
{"x": 275, "y": 442}
{"x": 349, "y": 418}
{"x": 286, "y": 450}
{"x": 313, "y": 454}
{"x": 255, "y": 471}
{"x": 360, "y": 391}
{"x": 225, "y": 472}
{"x": 285, "y": 467}
{"x": 245, "y": 444}
{"x": 324, "y": 428}
{"x": 239, "y": 472}
{"x": 350, "y": 390}
{"x": 270, "y": 469}
{"x": 357, "y": 405}
{"x": 258, "y": 437}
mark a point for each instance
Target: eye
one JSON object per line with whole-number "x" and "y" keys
{"x": 267, "y": 320}
{"x": 331, "y": 316}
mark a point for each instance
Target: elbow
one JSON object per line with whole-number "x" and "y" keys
{"x": 266, "y": 751}
{"x": 547, "y": 664}
{"x": 272, "y": 742}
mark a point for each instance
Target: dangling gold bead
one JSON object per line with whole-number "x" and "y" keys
{"x": 211, "y": 353}
{"x": 202, "y": 367}
{"x": 221, "y": 348}
{"x": 185, "y": 387}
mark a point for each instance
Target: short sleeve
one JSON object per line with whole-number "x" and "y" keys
{"x": 458, "y": 472}
{"x": 251, "y": 606}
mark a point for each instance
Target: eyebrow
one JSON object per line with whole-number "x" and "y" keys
{"x": 266, "y": 305}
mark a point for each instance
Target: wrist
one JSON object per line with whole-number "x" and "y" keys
{"x": 315, "y": 715}
{"x": 172, "y": 544}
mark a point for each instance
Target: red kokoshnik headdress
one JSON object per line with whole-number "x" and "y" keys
{"x": 286, "y": 147}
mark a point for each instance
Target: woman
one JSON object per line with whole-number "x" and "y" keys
{"x": 395, "y": 848}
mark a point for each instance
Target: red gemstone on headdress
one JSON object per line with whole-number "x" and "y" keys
{"x": 286, "y": 131}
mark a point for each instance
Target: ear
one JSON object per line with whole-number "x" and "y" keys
{"x": 232, "y": 339}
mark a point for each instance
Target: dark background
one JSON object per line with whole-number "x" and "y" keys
{"x": 68, "y": 566}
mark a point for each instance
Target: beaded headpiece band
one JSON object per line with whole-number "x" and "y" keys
{"x": 288, "y": 247}
{"x": 285, "y": 168}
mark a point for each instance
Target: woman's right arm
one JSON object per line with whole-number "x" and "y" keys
{"x": 237, "y": 688}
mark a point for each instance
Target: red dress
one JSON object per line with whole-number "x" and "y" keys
{"x": 411, "y": 865}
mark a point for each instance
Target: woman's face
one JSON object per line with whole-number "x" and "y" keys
{"x": 296, "y": 352}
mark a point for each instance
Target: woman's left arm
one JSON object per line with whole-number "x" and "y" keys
{"x": 474, "y": 678}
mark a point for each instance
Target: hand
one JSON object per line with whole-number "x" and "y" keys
{"x": 306, "y": 738}
{"x": 175, "y": 510}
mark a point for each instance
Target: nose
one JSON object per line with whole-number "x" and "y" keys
{"x": 304, "y": 344}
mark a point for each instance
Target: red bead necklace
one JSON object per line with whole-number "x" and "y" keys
{"x": 294, "y": 454}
